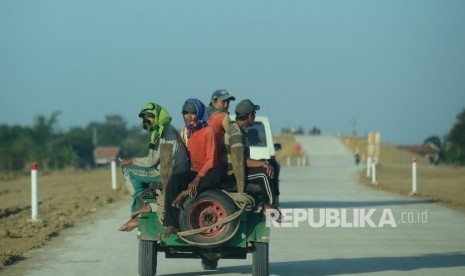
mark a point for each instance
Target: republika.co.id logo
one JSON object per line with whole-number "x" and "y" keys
{"x": 343, "y": 218}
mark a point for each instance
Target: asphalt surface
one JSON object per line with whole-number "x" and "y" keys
{"x": 361, "y": 231}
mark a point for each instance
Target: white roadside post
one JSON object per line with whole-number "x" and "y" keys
{"x": 113, "y": 174}
{"x": 414, "y": 176}
{"x": 288, "y": 161}
{"x": 34, "y": 192}
{"x": 368, "y": 166}
{"x": 373, "y": 171}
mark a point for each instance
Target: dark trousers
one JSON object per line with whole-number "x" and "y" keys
{"x": 268, "y": 186}
{"x": 277, "y": 169}
{"x": 179, "y": 182}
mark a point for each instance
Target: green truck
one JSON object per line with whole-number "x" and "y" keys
{"x": 218, "y": 224}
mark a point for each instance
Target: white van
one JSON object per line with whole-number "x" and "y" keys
{"x": 260, "y": 137}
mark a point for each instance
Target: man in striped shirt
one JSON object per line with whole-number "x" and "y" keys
{"x": 257, "y": 171}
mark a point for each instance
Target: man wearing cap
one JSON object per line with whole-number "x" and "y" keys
{"x": 219, "y": 115}
{"x": 218, "y": 111}
{"x": 257, "y": 171}
{"x": 139, "y": 172}
{"x": 206, "y": 171}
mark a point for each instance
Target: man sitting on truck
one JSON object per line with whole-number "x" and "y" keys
{"x": 257, "y": 171}
{"x": 139, "y": 172}
{"x": 219, "y": 116}
{"x": 218, "y": 112}
{"x": 205, "y": 173}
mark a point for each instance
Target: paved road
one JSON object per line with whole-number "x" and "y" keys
{"x": 418, "y": 237}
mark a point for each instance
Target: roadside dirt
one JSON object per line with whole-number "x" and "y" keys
{"x": 64, "y": 199}
{"x": 443, "y": 183}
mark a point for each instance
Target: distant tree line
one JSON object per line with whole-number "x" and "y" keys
{"x": 52, "y": 149}
{"x": 452, "y": 146}
{"x": 45, "y": 144}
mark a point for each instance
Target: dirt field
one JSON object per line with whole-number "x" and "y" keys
{"x": 64, "y": 199}
{"x": 442, "y": 183}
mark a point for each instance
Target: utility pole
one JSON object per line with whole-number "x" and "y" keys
{"x": 354, "y": 127}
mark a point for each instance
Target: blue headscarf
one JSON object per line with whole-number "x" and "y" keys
{"x": 202, "y": 114}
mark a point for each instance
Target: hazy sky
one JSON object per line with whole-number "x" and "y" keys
{"x": 393, "y": 66}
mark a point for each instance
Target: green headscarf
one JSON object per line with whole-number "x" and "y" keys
{"x": 162, "y": 118}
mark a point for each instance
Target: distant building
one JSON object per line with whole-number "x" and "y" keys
{"x": 293, "y": 130}
{"x": 429, "y": 150}
{"x": 315, "y": 131}
{"x": 105, "y": 154}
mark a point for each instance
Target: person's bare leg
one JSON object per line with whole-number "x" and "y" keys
{"x": 144, "y": 208}
{"x": 130, "y": 225}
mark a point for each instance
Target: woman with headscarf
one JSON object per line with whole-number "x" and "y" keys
{"x": 205, "y": 172}
{"x": 139, "y": 172}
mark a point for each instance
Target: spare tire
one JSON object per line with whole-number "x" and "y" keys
{"x": 205, "y": 210}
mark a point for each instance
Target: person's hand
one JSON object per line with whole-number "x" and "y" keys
{"x": 124, "y": 162}
{"x": 192, "y": 187}
{"x": 269, "y": 169}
